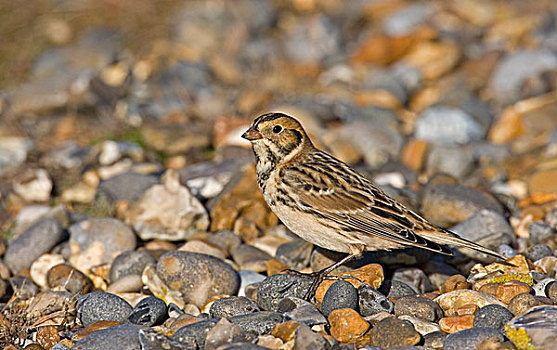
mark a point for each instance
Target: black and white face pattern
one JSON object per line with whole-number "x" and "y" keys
{"x": 276, "y": 138}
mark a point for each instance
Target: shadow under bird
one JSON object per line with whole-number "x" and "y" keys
{"x": 329, "y": 204}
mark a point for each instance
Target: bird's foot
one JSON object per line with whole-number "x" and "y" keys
{"x": 317, "y": 277}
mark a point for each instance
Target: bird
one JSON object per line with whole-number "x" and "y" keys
{"x": 329, "y": 204}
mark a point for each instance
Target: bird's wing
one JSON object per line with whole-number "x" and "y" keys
{"x": 357, "y": 205}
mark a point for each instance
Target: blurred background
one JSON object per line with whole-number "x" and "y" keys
{"x": 408, "y": 91}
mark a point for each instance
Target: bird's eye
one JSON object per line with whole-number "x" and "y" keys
{"x": 277, "y": 129}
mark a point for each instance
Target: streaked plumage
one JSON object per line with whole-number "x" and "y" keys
{"x": 329, "y": 204}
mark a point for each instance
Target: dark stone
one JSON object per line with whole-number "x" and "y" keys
{"x": 148, "y": 312}
{"x": 37, "y": 240}
{"x": 434, "y": 340}
{"x": 538, "y": 251}
{"x": 101, "y": 306}
{"x": 151, "y": 340}
{"x": 232, "y": 306}
{"x": 125, "y": 336}
{"x": 396, "y": 289}
{"x": 340, "y": 295}
{"x": 469, "y": 339}
{"x": 305, "y": 338}
{"x": 372, "y": 301}
{"x": 539, "y": 231}
{"x": 277, "y": 287}
{"x": 492, "y": 316}
{"x": 24, "y": 287}
{"x": 301, "y": 311}
{"x": 126, "y": 187}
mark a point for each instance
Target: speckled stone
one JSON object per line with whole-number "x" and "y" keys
{"x": 372, "y": 302}
{"x": 149, "y": 312}
{"x": 340, "y": 295}
{"x": 101, "y": 306}
{"x": 277, "y": 287}
{"x": 126, "y": 336}
{"x": 232, "y": 306}
{"x": 493, "y": 316}
{"x": 391, "y": 332}
{"x": 131, "y": 262}
{"x": 469, "y": 339}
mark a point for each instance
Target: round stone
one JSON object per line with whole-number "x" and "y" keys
{"x": 197, "y": 276}
{"x": 493, "y": 316}
{"x": 277, "y": 287}
{"x": 420, "y": 307}
{"x": 101, "y": 306}
{"x": 539, "y": 251}
{"x": 470, "y": 339}
{"x": 149, "y": 312}
{"x": 131, "y": 262}
{"x": 340, "y": 295}
{"x": 372, "y": 302}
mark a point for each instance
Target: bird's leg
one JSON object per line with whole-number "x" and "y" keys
{"x": 320, "y": 275}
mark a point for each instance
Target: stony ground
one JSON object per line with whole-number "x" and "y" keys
{"x": 130, "y": 214}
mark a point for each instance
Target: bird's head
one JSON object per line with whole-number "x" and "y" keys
{"x": 277, "y": 136}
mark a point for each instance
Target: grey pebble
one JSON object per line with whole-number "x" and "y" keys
{"x": 32, "y": 243}
{"x": 151, "y": 340}
{"x": 247, "y": 278}
{"x": 447, "y": 125}
{"x": 396, "y": 289}
{"x": 372, "y": 301}
{"x": 484, "y": 223}
{"x": 295, "y": 254}
{"x": 340, "y": 295}
{"x": 232, "y": 306}
{"x": 434, "y": 340}
{"x": 249, "y": 257}
{"x": 277, "y": 287}
{"x": 131, "y": 262}
{"x": 539, "y": 231}
{"x": 148, "y": 312}
{"x": 197, "y": 276}
{"x": 126, "y": 187}
{"x": 305, "y": 338}
{"x": 415, "y": 278}
{"x": 301, "y": 310}
{"x": 226, "y": 240}
{"x": 419, "y": 307}
{"x": 101, "y": 306}
{"x": 125, "y": 336}
{"x": 24, "y": 287}
{"x": 469, "y": 339}
{"x": 539, "y": 251}
{"x": 493, "y": 316}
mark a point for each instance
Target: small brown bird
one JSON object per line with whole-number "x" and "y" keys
{"x": 327, "y": 203}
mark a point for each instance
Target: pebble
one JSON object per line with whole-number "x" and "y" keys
{"x": 125, "y": 335}
{"x": 520, "y": 303}
{"x": 552, "y": 292}
{"x": 414, "y": 277}
{"x": 13, "y": 151}
{"x": 482, "y": 224}
{"x": 251, "y": 258}
{"x": 101, "y": 306}
{"x": 295, "y": 254}
{"x": 69, "y": 278}
{"x": 301, "y": 311}
{"x": 198, "y": 246}
{"x": 23, "y": 287}
{"x": 277, "y": 287}
{"x": 248, "y": 278}
{"x": 446, "y": 205}
{"x": 454, "y": 160}
{"x": 453, "y": 324}
{"x": 34, "y": 185}
{"x": 305, "y": 338}
{"x": 37, "y": 240}
{"x": 445, "y": 125}
{"x": 534, "y": 328}
{"x": 204, "y": 277}
{"x": 505, "y": 292}
{"x": 232, "y": 306}
{"x": 126, "y": 187}
{"x": 148, "y": 312}
{"x": 451, "y": 300}
{"x": 311, "y": 40}
{"x": 492, "y": 316}
{"x": 152, "y": 340}
{"x": 372, "y": 301}
{"x": 396, "y": 289}
{"x": 224, "y": 332}
{"x": 469, "y": 339}
{"x": 95, "y": 242}
{"x": 515, "y": 68}
{"x": 340, "y": 295}
{"x": 131, "y": 262}
{"x": 391, "y": 332}
{"x": 419, "y": 307}
{"x": 167, "y": 211}
{"x": 347, "y": 326}
{"x": 434, "y": 340}
{"x": 538, "y": 251}
{"x": 421, "y": 326}
{"x": 40, "y": 267}
{"x": 539, "y": 231}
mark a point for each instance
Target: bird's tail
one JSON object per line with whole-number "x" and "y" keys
{"x": 451, "y": 238}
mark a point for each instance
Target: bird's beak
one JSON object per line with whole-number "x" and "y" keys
{"x": 251, "y": 134}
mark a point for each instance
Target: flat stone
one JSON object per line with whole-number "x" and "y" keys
{"x": 469, "y": 339}
{"x": 101, "y": 306}
{"x": 391, "y": 332}
{"x": 347, "y": 326}
{"x": 277, "y": 287}
{"x": 420, "y": 307}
